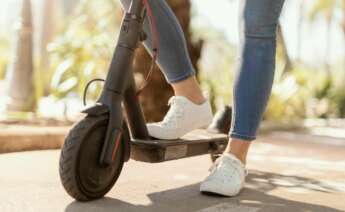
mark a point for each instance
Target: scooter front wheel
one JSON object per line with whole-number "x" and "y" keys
{"x": 82, "y": 176}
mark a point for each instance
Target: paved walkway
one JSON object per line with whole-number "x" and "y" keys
{"x": 285, "y": 175}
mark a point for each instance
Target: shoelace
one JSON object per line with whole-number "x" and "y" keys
{"x": 215, "y": 165}
{"x": 219, "y": 163}
{"x": 175, "y": 112}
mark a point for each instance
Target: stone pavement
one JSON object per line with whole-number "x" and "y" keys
{"x": 286, "y": 174}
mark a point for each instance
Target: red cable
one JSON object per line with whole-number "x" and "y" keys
{"x": 154, "y": 32}
{"x": 117, "y": 143}
{"x": 155, "y": 39}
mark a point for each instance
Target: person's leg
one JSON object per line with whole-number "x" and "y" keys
{"x": 253, "y": 83}
{"x": 173, "y": 56}
{"x": 189, "y": 109}
{"x": 251, "y": 93}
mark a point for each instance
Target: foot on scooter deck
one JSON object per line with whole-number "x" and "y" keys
{"x": 195, "y": 143}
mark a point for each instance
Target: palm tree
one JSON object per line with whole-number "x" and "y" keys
{"x": 326, "y": 9}
{"x": 154, "y": 98}
{"x": 20, "y": 74}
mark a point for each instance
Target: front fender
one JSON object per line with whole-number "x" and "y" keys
{"x": 96, "y": 110}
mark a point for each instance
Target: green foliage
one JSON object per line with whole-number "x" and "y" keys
{"x": 323, "y": 88}
{"x": 289, "y": 94}
{"x": 338, "y": 102}
{"x": 217, "y": 66}
{"x": 324, "y": 7}
{"x": 336, "y": 95}
{"x": 303, "y": 93}
{"x": 84, "y": 48}
{"x": 217, "y": 76}
{"x": 306, "y": 93}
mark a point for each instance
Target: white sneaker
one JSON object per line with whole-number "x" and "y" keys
{"x": 227, "y": 176}
{"x": 183, "y": 117}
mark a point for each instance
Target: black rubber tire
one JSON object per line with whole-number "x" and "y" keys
{"x": 80, "y": 181}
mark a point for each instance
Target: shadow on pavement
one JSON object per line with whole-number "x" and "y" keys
{"x": 254, "y": 198}
{"x": 265, "y": 181}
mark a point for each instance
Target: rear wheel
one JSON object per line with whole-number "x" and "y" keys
{"x": 82, "y": 176}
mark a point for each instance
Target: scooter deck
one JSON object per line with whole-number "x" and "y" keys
{"x": 195, "y": 143}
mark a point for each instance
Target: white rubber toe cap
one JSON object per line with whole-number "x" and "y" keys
{"x": 156, "y": 130}
{"x": 183, "y": 117}
{"x": 227, "y": 177}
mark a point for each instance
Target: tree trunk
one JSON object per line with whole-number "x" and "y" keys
{"x": 20, "y": 74}
{"x": 328, "y": 46}
{"x": 155, "y": 96}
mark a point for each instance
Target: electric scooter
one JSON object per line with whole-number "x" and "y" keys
{"x": 114, "y": 129}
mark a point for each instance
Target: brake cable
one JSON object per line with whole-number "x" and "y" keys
{"x": 155, "y": 41}
{"x": 87, "y": 88}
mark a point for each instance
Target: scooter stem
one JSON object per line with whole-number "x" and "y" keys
{"x": 120, "y": 76}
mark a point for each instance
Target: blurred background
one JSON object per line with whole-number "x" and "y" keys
{"x": 49, "y": 50}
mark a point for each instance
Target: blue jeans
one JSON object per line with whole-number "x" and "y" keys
{"x": 254, "y": 78}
